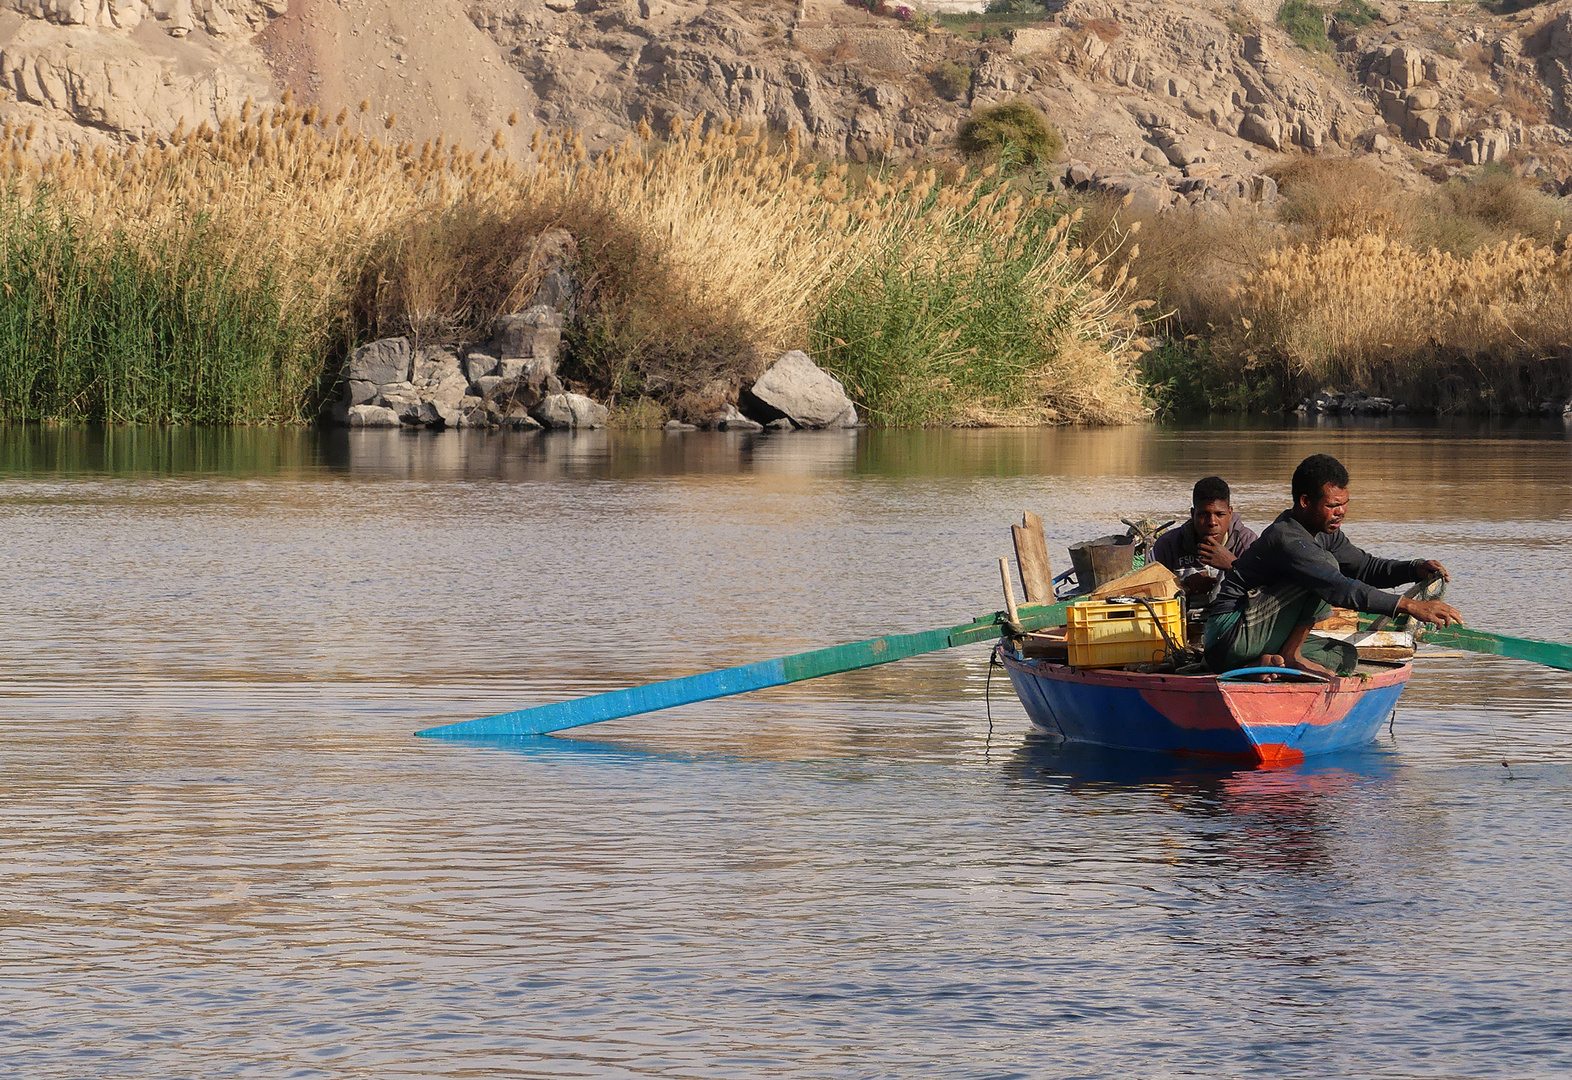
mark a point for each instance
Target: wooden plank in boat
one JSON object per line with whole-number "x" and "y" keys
{"x": 1373, "y": 644}
{"x": 1031, "y": 555}
{"x": 1153, "y": 580}
{"x": 1048, "y": 644}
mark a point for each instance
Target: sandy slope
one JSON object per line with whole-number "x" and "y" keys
{"x": 424, "y": 63}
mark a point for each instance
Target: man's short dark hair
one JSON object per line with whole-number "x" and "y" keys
{"x": 1211, "y": 489}
{"x": 1314, "y": 473}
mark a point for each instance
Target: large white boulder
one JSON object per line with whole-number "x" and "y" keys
{"x": 372, "y": 416}
{"x": 797, "y": 388}
{"x": 564, "y": 412}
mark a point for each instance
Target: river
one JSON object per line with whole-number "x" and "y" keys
{"x": 222, "y": 853}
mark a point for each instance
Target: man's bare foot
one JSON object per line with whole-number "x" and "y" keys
{"x": 1293, "y": 653}
{"x": 1270, "y": 660}
{"x": 1299, "y": 662}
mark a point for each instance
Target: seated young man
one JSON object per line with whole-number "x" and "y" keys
{"x": 1209, "y": 542}
{"x": 1301, "y": 567}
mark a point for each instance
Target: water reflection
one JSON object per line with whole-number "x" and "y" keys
{"x": 1075, "y": 767}
{"x": 1286, "y": 819}
{"x": 562, "y": 749}
{"x": 90, "y": 449}
{"x": 1407, "y": 454}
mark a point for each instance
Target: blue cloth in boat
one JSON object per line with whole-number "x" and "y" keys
{"x": 1326, "y": 565}
{"x": 1236, "y": 639}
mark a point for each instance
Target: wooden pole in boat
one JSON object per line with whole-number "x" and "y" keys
{"x": 1009, "y": 593}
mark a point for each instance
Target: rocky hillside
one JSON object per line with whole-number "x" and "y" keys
{"x": 1177, "y": 102}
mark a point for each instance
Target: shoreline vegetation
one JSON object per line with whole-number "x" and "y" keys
{"x": 1447, "y": 298}
{"x": 223, "y": 275}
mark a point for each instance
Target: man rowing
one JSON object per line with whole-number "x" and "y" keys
{"x": 1210, "y": 541}
{"x": 1300, "y": 568}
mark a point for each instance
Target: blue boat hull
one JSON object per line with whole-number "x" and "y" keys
{"x": 1272, "y": 722}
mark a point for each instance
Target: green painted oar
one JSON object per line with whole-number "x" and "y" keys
{"x": 740, "y": 680}
{"x": 1550, "y": 653}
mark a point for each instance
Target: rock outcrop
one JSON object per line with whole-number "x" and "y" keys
{"x": 390, "y": 383}
{"x": 1181, "y": 94}
{"x": 85, "y": 72}
{"x": 1177, "y": 95}
{"x": 509, "y": 380}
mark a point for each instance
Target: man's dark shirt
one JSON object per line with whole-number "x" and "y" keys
{"x": 1180, "y": 549}
{"x": 1326, "y": 564}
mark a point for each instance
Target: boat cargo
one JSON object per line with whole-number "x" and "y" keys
{"x": 1113, "y": 633}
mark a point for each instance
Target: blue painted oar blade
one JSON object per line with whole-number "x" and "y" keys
{"x": 544, "y": 719}
{"x": 562, "y": 715}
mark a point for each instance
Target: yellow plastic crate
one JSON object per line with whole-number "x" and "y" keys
{"x": 1102, "y": 634}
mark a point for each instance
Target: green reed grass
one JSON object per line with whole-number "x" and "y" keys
{"x": 973, "y": 340}
{"x": 99, "y": 329}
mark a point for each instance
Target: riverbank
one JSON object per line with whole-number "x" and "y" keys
{"x": 230, "y": 274}
{"x": 682, "y": 267}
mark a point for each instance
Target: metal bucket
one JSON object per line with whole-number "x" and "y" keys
{"x": 1100, "y": 561}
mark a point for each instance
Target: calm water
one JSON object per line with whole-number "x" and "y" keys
{"x": 222, "y": 853}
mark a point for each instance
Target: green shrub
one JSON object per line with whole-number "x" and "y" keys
{"x": 1014, "y": 130}
{"x": 1183, "y": 378}
{"x": 952, "y": 81}
{"x": 1305, "y": 24}
{"x": 1017, "y": 7}
{"x": 994, "y": 334}
{"x": 1355, "y": 13}
{"x": 99, "y": 330}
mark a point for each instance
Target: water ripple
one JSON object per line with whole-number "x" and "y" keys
{"x": 222, "y": 853}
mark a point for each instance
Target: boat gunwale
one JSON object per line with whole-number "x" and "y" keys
{"x": 1207, "y": 682}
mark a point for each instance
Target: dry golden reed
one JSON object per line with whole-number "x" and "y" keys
{"x": 1376, "y": 313}
{"x": 711, "y": 231}
{"x": 1452, "y": 297}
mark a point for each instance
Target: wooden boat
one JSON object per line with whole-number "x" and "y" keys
{"x": 1234, "y": 715}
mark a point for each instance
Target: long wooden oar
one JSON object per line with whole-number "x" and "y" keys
{"x": 740, "y": 680}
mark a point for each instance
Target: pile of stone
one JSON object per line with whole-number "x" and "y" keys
{"x": 1198, "y": 186}
{"x": 1353, "y": 403}
{"x": 509, "y": 381}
